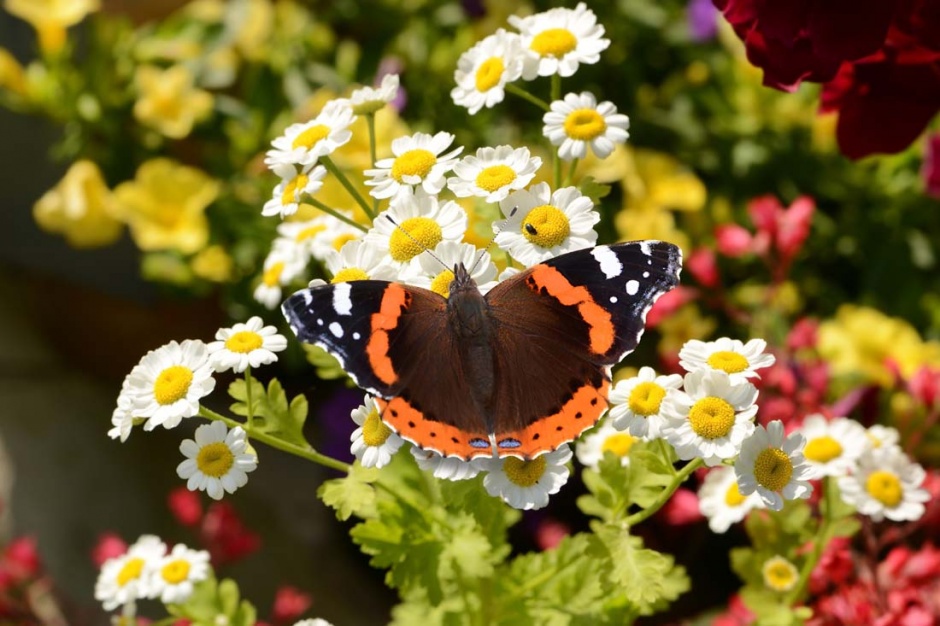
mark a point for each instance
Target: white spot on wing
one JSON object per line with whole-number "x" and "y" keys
{"x": 633, "y": 286}
{"x": 646, "y": 274}
{"x": 613, "y": 299}
{"x": 645, "y": 247}
{"x": 342, "y": 303}
{"x": 319, "y": 322}
{"x": 607, "y": 259}
{"x": 336, "y": 329}
{"x": 356, "y": 336}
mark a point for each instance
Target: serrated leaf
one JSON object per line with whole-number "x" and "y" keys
{"x": 352, "y": 494}
{"x": 468, "y": 554}
{"x": 325, "y": 364}
{"x": 593, "y": 189}
{"x": 270, "y": 411}
{"x": 648, "y": 579}
{"x": 614, "y": 487}
{"x": 768, "y": 607}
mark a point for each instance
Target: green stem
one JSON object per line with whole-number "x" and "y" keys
{"x": 336, "y": 214}
{"x": 571, "y": 169}
{"x": 664, "y": 451}
{"x": 307, "y": 452}
{"x": 556, "y": 160}
{"x": 335, "y": 171}
{"x": 370, "y": 121}
{"x": 525, "y": 95}
{"x": 663, "y": 497}
{"x": 821, "y": 534}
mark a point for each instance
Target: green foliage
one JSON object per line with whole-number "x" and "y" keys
{"x": 324, "y": 363}
{"x": 214, "y": 602}
{"x": 269, "y": 410}
{"x": 614, "y": 487}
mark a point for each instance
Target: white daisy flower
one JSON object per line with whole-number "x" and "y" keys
{"x": 832, "y": 447}
{"x": 122, "y": 419}
{"x": 779, "y": 574}
{"x": 541, "y": 225}
{"x": 882, "y": 437}
{"x": 177, "y": 572}
{"x": 129, "y": 577}
{"x": 636, "y": 404}
{"x": 282, "y": 265}
{"x": 217, "y": 460}
{"x": 418, "y": 161}
{"x": 415, "y": 224}
{"x": 360, "y": 260}
{"x": 315, "y": 238}
{"x": 373, "y": 442}
{"x": 317, "y": 621}
{"x": 368, "y": 100}
{"x": 484, "y": 70}
{"x": 302, "y": 144}
{"x": 711, "y": 418}
{"x": 293, "y": 186}
{"x": 721, "y": 501}
{"x": 739, "y": 360}
{"x": 245, "y": 344}
{"x": 579, "y": 121}
{"x": 604, "y": 437}
{"x": 444, "y": 467}
{"x": 526, "y": 484}
{"x": 886, "y": 484}
{"x": 436, "y": 274}
{"x": 557, "y": 41}
{"x": 168, "y": 382}
{"x": 492, "y": 173}
{"x": 773, "y": 466}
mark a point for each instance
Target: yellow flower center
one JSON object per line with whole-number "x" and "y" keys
{"x": 244, "y": 342}
{"x": 823, "y": 449}
{"x": 215, "y": 459}
{"x": 711, "y": 417}
{"x": 546, "y": 226}
{"x": 342, "y": 240}
{"x": 555, "y": 42}
{"x": 348, "y": 274}
{"x": 619, "y": 444}
{"x": 292, "y": 189}
{"x": 417, "y": 162}
{"x": 733, "y": 497}
{"x": 424, "y": 233}
{"x": 524, "y": 473}
{"x": 495, "y": 177}
{"x": 309, "y": 233}
{"x": 441, "y": 283}
{"x": 172, "y": 384}
{"x": 773, "y": 469}
{"x": 308, "y": 138}
{"x": 272, "y": 275}
{"x": 374, "y": 430}
{"x": 885, "y": 487}
{"x": 489, "y": 73}
{"x": 780, "y": 574}
{"x": 873, "y": 440}
{"x": 585, "y": 124}
{"x": 727, "y": 361}
{"x": 176, "y": 571}
{"x": 130, "y": 571}
{"x": 646, "y": 398}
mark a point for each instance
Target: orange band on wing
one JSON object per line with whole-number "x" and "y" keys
{"x": 601, "y": 326}
{"x": 394, "y": 300}
{"x": 447, "y": 440}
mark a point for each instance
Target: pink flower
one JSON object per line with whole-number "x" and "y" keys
{"x": 550, "y": 532}
{"x": 682, "y": 508}
{"x": 733, "y": 241}
{"x": 703, "y": 265}
{"x": 289, "y": 604}
{"x": 185, "y": 506}
{"x": 924, "y": 385}
{"x": 803, "y": 334}
{"x": 668, "y": 304}
{"x": 109, "y": 546}
{"x": 931, "y": 168}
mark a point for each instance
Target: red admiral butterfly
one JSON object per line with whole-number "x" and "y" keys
{"x": 515, "y": 372}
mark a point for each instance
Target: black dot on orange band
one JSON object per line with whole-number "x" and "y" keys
{"x": 434, "y": 434}
{"x": 455, "y": 440}
{"x": 411, "y": 424}
{"x": 559, "y": 428}
{"x": 593, "y": 401}
{"x": 535, "y": 436}
{"x": 394, "y": 413}
{"x": 578, "y": 415}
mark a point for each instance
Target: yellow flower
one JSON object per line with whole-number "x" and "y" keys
{"x": 12, "y": 77}
{"x": 643, "y": 224}
{"x": 213, "y": 264}
{"x": 254, "y": 29}
{"x": 684, "y": 324}
{"x": 168, "y": 101}
{"x": 165, "y": 206}
{"x": 50, "y": 18}
{"x": 81, "y": 208}
{"x": 861, "y": 341}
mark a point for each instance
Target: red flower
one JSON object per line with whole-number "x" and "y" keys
{"x": 733, "y": 240}
{"x": 225, "y": 536}
{"x": 109, "y": 546}
{"x": 704, "y": 267}
{"x": 682, "y": 508}
{"x": 931, "y": 168}
{"x": 669, "y": 303}
{"x": 289, "y": 604}
{"x": 185, "y": 506}
{"x": 801, "y": 40}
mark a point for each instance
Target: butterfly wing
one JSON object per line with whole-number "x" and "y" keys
{"x": 395, "y": 342}
{"x": 560, "y": 325}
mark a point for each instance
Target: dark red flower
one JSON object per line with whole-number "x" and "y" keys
{"x": 185, "y": 506}
{"x": 289, "y": 604}
{"x": 931, "y": 168}
{"x": 225, "y": 536}
{"x": 807, "y": 39}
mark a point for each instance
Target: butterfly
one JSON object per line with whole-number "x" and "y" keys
{"x": 515, "y": 372}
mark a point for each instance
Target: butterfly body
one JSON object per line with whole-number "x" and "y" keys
{"x": 517, "y": 371}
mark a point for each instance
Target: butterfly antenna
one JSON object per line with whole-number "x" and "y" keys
{"x": 409, "y": 236}
{"x": 490, "y": 244}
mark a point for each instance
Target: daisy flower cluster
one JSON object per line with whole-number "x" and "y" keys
{"x": 167, "y": 386}
{"x": 148, "y": 570}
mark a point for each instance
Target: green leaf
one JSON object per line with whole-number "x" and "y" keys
{"x": 614, "y": 487}
{"x": 325, "y": 364}
{"x": 593, "y": 189}
{"x": 650, "y": 580}
{"x": 270, "y": 410}
{"x": 228, "y": 596}
{"x": 769, "y": 607}
{"x": 353, "y": 494}
{"x": 468, "y": 553}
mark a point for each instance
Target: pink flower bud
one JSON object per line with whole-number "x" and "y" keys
{"x": 733, "y": 240}
{"x": 793, "y": 226}
{"x": 704, "y": 267}
{"x": 765, "y": 213}
{"x": 289, "y": 604}
{"x": 924, "y": 385}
